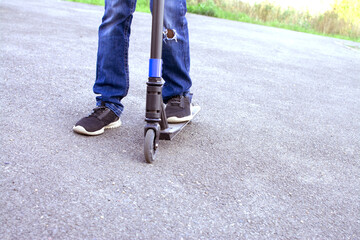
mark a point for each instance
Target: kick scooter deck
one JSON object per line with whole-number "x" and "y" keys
{"x": 175, "y": 128}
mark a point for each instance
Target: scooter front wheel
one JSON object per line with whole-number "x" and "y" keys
{"x": 149, "y": 146}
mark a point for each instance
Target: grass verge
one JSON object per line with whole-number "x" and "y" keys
{"x": 328, "y": 24}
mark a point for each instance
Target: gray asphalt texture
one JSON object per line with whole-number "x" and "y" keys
{"x": 274, "y": 153}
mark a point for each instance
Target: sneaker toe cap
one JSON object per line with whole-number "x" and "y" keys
{"x": 89, "y": 124}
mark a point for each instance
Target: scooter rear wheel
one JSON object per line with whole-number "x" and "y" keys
{"x": 149, "y": 146}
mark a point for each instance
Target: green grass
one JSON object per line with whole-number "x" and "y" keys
{"x": 141, "y": 6}
{"x": 95, "y": 2}
{"x": 328, "y": 24}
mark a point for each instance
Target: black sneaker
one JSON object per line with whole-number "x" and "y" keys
{"x": 101, "y": 118}
{"x": 178, "y": 109}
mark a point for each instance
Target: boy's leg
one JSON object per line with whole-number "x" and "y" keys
{"x": 112, "y": 71}
{"x": 175, "y": 51}
{"x": 176, "y": 62}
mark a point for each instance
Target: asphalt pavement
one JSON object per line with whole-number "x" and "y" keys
{"x": 273, "y": 154}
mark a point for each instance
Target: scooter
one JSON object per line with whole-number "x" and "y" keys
{"x": 157, "y": 128}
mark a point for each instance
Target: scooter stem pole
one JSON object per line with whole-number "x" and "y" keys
{"x": 157, "y": 29}
{"x": 155, "y": 114}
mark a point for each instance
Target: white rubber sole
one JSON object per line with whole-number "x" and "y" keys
{"x": 82, "y": 130}
{"x": 193, "y": 108}
{"x": 179, "y": 120}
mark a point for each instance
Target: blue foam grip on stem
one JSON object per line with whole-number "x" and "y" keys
{"x": 155, "y": 67}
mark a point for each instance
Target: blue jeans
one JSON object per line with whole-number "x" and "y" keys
{"x": 112, "y": 72}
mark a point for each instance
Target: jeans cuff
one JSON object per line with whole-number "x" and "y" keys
{"x": 113, "y": 107}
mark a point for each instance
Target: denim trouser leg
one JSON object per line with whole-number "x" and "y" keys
{"x": 112, "y": 72}
{"x": 175, "y": 50}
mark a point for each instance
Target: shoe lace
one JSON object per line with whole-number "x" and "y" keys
{"x": 97, "y": 111}
{"x": 176, "y": 101}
